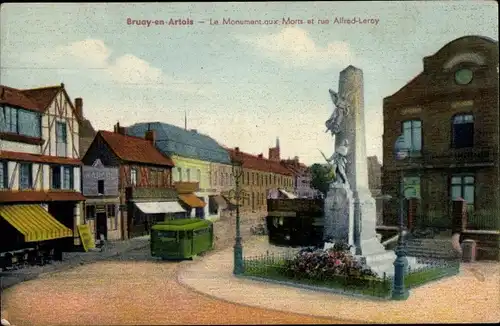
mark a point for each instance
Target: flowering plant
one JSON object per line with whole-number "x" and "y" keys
{"x": 324, "y": 264}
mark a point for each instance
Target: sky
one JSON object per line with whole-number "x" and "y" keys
{"x": 243, "y": 85}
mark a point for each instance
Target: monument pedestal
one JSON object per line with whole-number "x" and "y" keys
{"x": 339, "y": 214}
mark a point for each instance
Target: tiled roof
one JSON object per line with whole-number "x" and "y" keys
{"x": 42, "y": 96}
{"x": 254, "y": 162}
{"x": 134, "y": 149}
{"x": 39, "y": 196}
{"x": 27, "y": 157}
{"x": 36, "y": 99}
{"x": 295, "y": 167}
{"x": 172, "y": 140}
{"x": 16, "y": 97}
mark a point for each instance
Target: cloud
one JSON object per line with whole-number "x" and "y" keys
{"x": 293, "y": 47}
{"x": 126, "y": 70}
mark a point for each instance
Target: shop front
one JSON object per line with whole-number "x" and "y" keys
{"x": 30, "y": 234}
{"x": 102, "y": 207}
{"x": 103, "y": 218}
{"x": 148, "y": 206}
{"x": 194, "y": 205}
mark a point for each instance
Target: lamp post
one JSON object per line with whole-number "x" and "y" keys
{"x": 399, "y": 291}
{"x": 237, "y": 169}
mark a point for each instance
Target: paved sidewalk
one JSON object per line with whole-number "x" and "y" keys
{"x": 70, "y": 260}
{"x": 472, "y": 296}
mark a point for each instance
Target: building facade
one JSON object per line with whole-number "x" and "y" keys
{"x": 102, "y": 205}
{"x": 39, "y": 159}
{"x": 197, "y": 157}
{"x": 146, "y": 192}
{"x": 301, "y": 178}
{"x": 261, "y": 177}
{"x": 449, "y": 117}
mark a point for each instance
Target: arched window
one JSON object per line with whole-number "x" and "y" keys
{"x": 463, "y": 131}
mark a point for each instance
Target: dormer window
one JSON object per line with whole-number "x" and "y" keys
{"x": 463, "y": 76}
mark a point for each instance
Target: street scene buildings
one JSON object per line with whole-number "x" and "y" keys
{"x": 411, "y": 182}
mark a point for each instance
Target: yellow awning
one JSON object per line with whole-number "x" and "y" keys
{"x": 34, "y": 222}
{"x": 192, "y": 201}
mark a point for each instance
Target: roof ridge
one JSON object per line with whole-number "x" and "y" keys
{"x": 39, "y": 88}
{"x": 130, "y": 136}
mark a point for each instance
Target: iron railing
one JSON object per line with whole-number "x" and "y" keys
{"x": 275, "y": 267}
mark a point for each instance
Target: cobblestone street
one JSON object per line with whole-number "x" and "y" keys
{"x": 128, "y": 289}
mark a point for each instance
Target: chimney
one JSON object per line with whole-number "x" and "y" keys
{"x": 79, "y": 107}
{"x": 261, "y": 155}
{"x": 62, "y": 85}
{"x": 151, "y": 136}
{"x": 237, "y": 149}
{"x": 119, "y": 130}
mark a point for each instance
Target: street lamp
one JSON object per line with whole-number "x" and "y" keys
{"x": 399, "y": 291}
{"x": 237, "y": 170}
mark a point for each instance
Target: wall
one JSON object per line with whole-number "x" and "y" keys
{"x": 434, "y": 98}
{"x": 91, "y": 176}
{"x": 256, "y": 186}
{"x": 60, "y": 110}
{"x": 205, "y": 187}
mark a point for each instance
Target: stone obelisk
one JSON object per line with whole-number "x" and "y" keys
{"x": 353, "y": 129}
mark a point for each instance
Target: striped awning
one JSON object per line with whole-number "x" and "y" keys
{"x": 192, "y": 201}
{"x": 34, "y": 222}
{"x": 160, "y": 207}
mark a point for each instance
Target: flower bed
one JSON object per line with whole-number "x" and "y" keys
{"x": 338, "y": 270}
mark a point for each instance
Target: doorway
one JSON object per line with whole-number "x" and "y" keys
{"x": 101, "y": 225}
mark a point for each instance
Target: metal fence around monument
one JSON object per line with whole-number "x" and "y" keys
{"x": 273, "y": 267}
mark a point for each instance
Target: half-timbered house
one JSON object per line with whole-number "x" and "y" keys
{"x": 40, "y": 197}
{"x": 146, "y": 192}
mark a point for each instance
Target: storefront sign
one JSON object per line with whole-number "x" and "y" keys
{"x": 86, "y": 237}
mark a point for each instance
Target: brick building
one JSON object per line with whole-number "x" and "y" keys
{"x": 146, "y": 193}
{"x": 449, "y": 116}
{"x": 261, "y": 176}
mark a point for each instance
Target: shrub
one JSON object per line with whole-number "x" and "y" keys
{"x": 322, "y": 265}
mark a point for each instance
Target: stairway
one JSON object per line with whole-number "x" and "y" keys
{"x": 438, "y": 248}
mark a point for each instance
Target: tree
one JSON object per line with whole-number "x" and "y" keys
{"x": 321, "y": 177}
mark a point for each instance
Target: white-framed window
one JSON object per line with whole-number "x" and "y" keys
{"x": 198, "y": 175}
{"x": 25, "y": 176}
{"x": 61, "y": 138}
{"x": 67, "y": 175}
{"x": 133, "y": 177}
{"x": 188, "y": 175}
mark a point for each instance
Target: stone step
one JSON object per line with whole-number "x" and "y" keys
{"x": 380, "y": 257}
